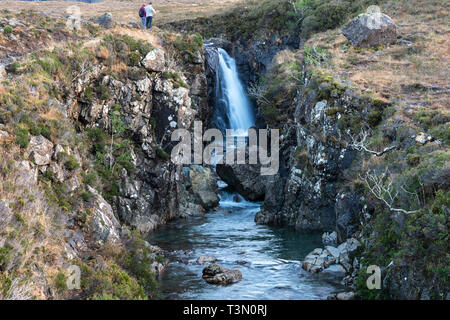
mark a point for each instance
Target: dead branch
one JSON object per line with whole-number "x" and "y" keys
{"x": 382, "y": 187}
{"x": 258, "y": 92}
{"x": 359, "y": 143}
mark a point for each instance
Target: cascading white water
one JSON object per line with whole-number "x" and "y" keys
{"x": 232, "y": 96}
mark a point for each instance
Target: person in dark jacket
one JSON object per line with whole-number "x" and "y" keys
{"x": 143, "y": 16}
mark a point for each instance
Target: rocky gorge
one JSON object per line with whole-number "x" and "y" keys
{"x": 87, "y": 181}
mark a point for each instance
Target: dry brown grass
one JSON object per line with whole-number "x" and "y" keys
{"x": 126, "y": 11}
{"x": 416, "y": 69}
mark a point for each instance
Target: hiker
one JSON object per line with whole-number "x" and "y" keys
{"x": 149, "y": 12}
{"x": 143, "y": 16}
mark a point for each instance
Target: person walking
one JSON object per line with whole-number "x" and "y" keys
{"x": 149, "y": 12}
{"x": 143, "y": 16}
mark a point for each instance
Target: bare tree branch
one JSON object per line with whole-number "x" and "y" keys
{"x": 382, "y": 187}
{"x": 258, "y": 92}
{"x": 359, "y": 143}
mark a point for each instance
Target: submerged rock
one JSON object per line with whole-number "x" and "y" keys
{"x": 216, "y": 274}
{"x": 206, "y": 259}
{"x": 371, "y": 29}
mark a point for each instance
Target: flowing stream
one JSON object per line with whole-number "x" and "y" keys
{"x": 269, "y": 258}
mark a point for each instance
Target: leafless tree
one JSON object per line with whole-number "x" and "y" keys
{"x": 171, "y": 63}
{"x": 359, "y": 142}
{"x": 258, "y": 91}
{"x": 382, "y": 187}
{"x": 83, "y": 67}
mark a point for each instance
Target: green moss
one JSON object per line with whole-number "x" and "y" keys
{"x": 176, "y": 79}
{"x": 374, "y": 118}
{"x": 109, "y": 283}
{"x": 430, "y": 118}
{"x": 8, "y": 30}
{"x": 70, "y": 163}
{"x": 22, "y": 137}
{"x": 413, "y": 160}
{"x": 61, "y": 282}
{"x": 134, "y": 58}
{"x": 162, "y": 154}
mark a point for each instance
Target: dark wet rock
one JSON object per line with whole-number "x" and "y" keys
{"x": 245, "y": 179}
{"x": 216, "y": 274}
{"x": 348, "y": 209}
{"x": 371, "y": 29}
{"x": 329, "y": 238}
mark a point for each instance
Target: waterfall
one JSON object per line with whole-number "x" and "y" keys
{"x": 231, "y": 98}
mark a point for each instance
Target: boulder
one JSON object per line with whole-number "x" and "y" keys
{"x": 5, "y": 215}
{"x": 105, "y": 20}
{"x": 329, "y": 238}
{"x": 371, "y": 29}
{"x": 40, "y": 150}
{"x": 336, "y": 270}
{"x": 245, "y": 179}
{"x": 423, "y": 138}
{"x": 216, "y": 274}
{"x": 154, "y": 61}
{"x": 105, "y": 226}
{"x": 347, "y": 252}
{"x": 345, "y": 296}
{"x": 206, "y": 259}
{"x": 203, "y": 183}
{"x": 318, "y": 260}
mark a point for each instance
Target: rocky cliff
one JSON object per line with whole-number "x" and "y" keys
{"x": 84, "y": 166}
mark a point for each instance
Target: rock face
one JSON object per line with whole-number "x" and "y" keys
{"x": 245, "y": 179}
{"x": 216, "y": 274}
{"x": 105, "y": 20}
{"x": 154, "y": 61}
{"x": 348, "y": 209}
{"x": 5, "y": 215}
{"x": 41, "y": 150}
{"x": 105, "y": 226}
{"x": 371, "y": 29}
{"x": 153, "y": 193}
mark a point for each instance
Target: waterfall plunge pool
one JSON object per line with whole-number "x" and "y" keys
{"x": 268, "y": 257}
